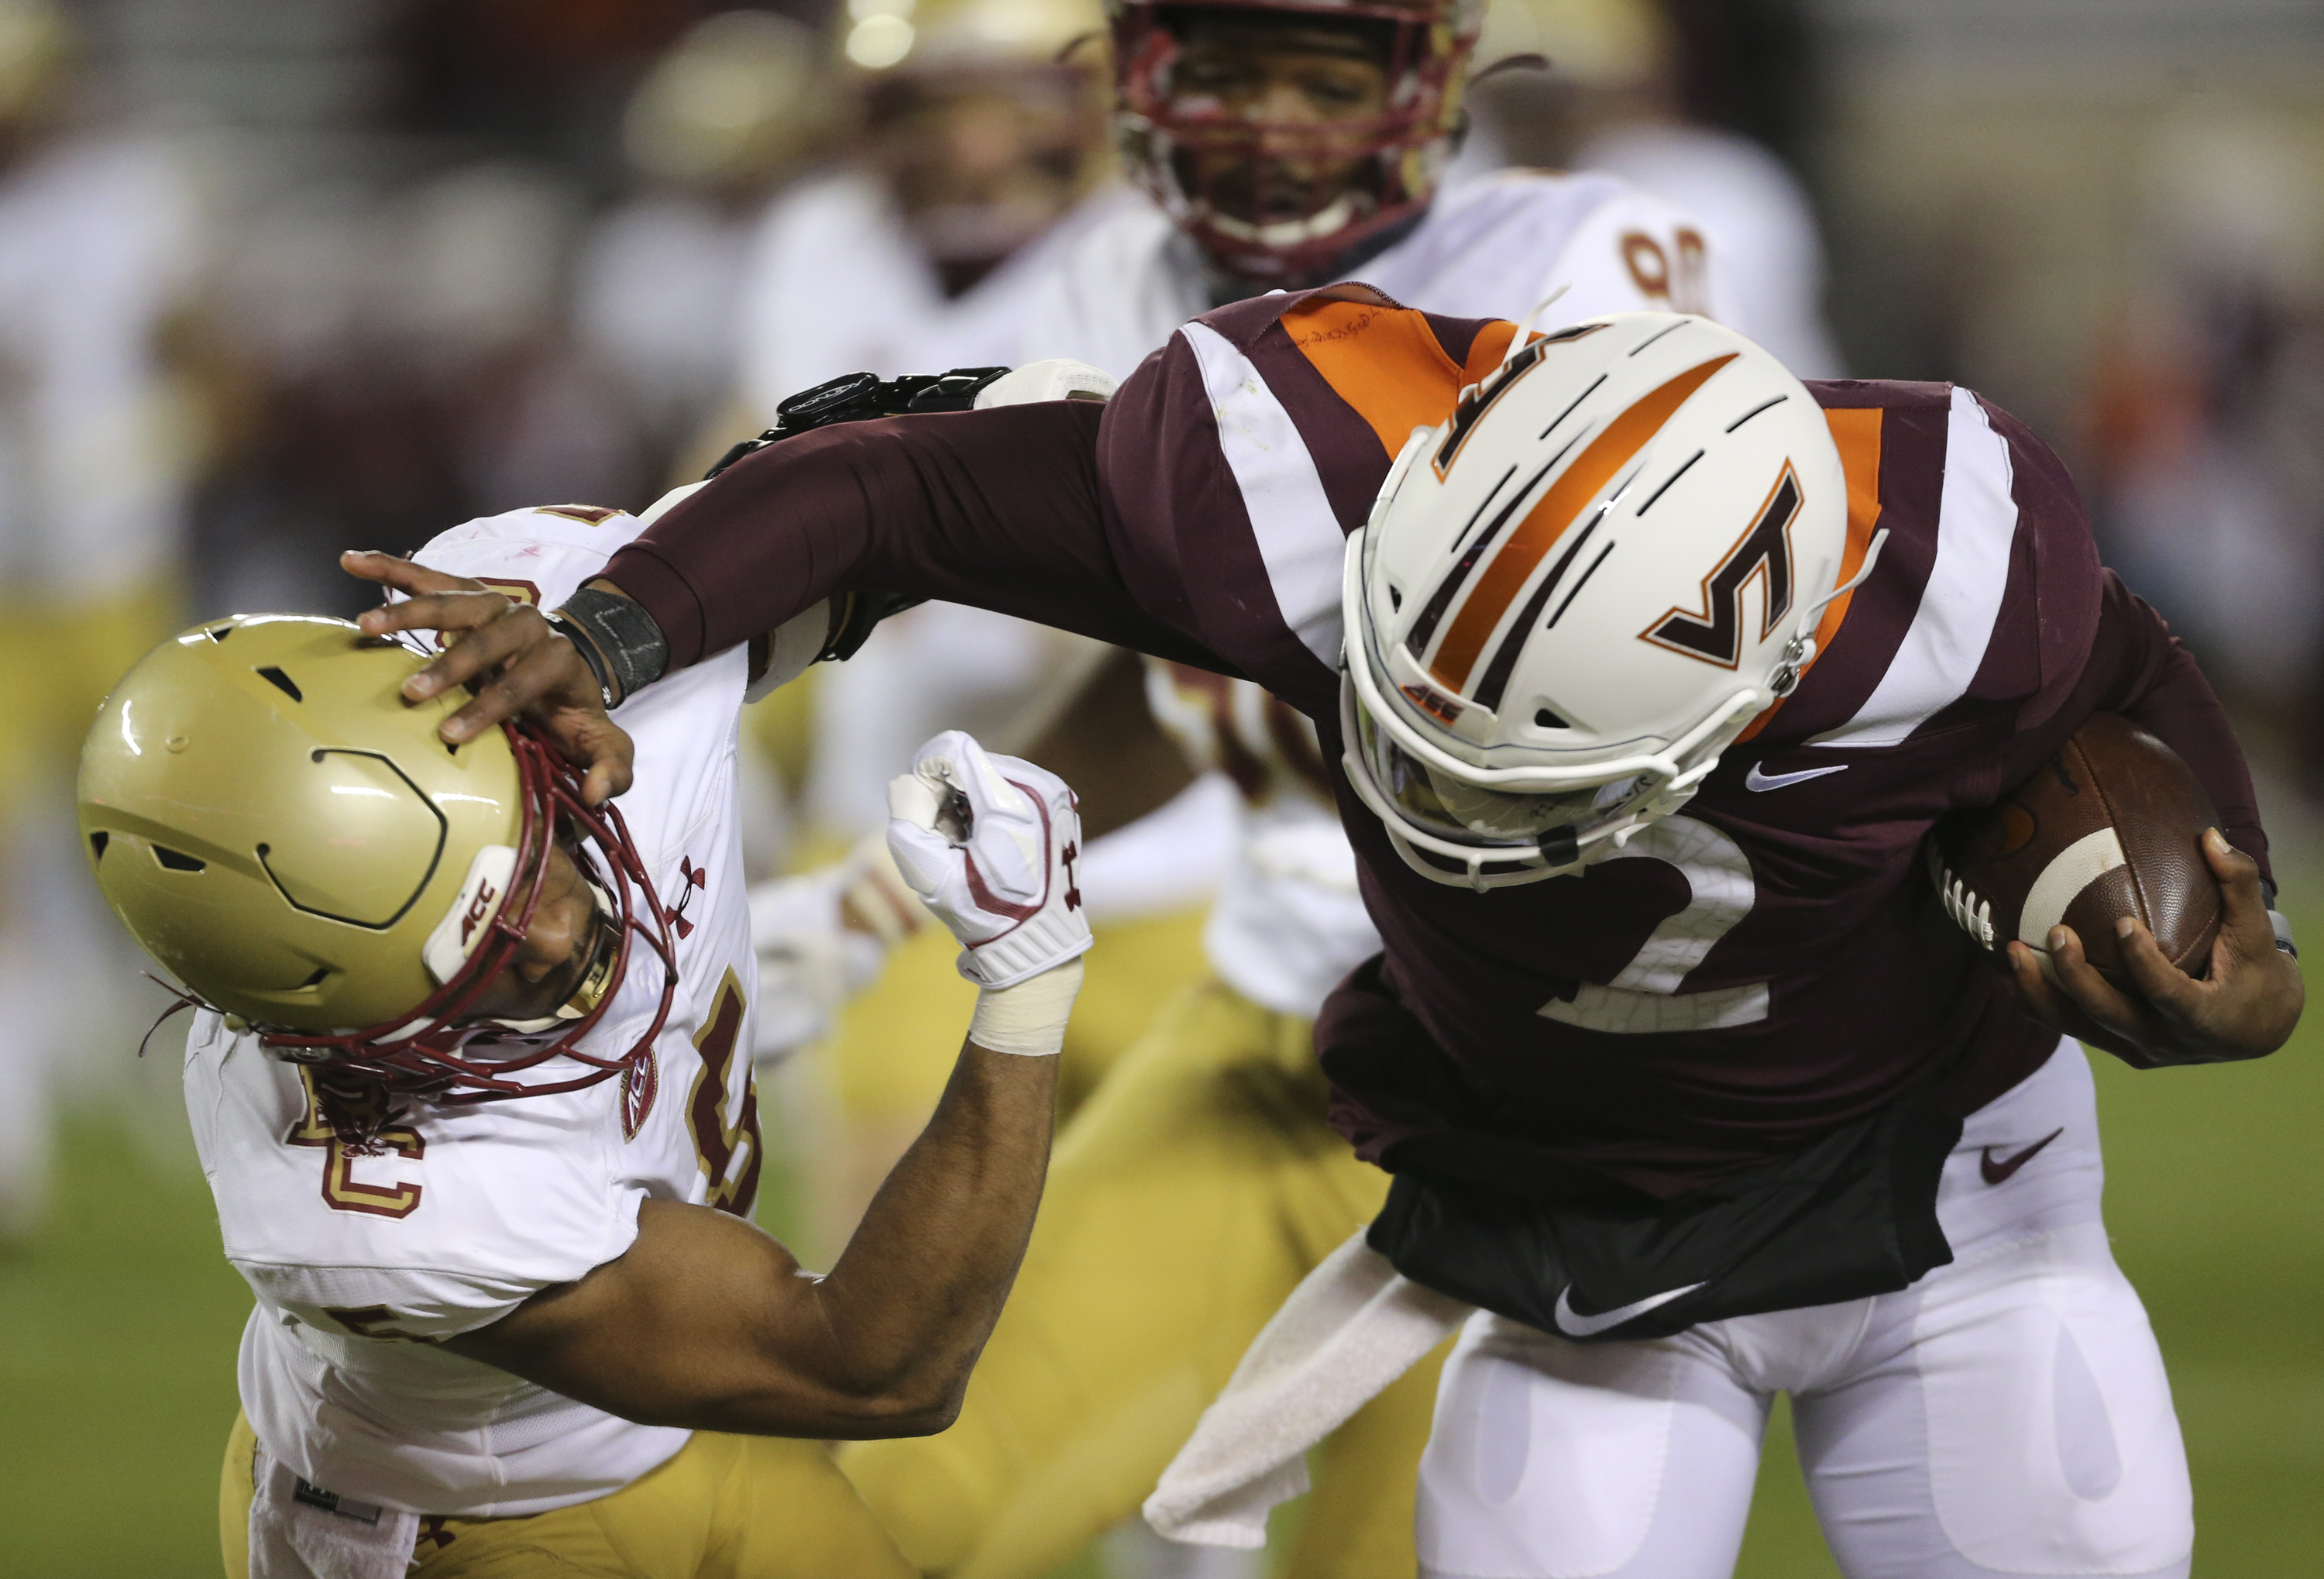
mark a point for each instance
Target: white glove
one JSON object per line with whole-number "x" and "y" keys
{"x": 811, "y": 960}
{"x": 1060, "y": 378}
{"x": 991, "y": 845}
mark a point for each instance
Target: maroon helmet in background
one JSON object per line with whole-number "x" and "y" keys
{"x": 1398, "y": 151}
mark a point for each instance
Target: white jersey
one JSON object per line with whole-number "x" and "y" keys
{"x": 837, "y": 285}
{"x": 1759, "y": 219}
{"x": 1289, "y": 923}
{"x": 1493, "y": 247}
{"x": 656, "y": 289}
{"x": 459, "y": 1215}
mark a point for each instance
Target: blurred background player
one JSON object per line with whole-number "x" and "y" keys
{"x": 978, "y": 132}
{"x": 981, "y": 153}
{"x": 99, "y": 237}
{"x": 1277, "y": 143}
{"x": 511, "y": 264}
{"x": 1629, "y": 90}
{"x": 741, "y": 103}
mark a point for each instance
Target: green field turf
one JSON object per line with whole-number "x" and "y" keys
{"x": 121, "y": 1321}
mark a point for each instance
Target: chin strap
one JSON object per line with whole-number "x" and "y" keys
{"x": 1801, "y": 650}
{"x": 190, "y": 999}
{"x": 1525, "y": 325}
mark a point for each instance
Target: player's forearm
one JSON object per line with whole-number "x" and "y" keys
{"x": 917, "y": 1292}
{"x": 709, "y": 1324}
{"x": 998, "y": 509}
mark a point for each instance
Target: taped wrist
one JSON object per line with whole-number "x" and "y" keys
{"x": 631, "y": 652}
{"x": 1028, "y": 1018}
{"x": 580, "y": 642}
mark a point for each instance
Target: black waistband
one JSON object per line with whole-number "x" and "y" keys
{"x": 1855, "y": 1214}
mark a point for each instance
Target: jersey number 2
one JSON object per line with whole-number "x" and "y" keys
{"x": 1644, "y": 998}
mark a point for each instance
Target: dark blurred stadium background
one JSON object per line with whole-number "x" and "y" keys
{"x": 381, "y": 238}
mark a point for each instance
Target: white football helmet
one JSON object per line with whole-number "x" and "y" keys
{"x": 1572, "y": 595}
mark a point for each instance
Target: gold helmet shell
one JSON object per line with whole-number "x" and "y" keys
{"x": 905, "y": 37}
{"x": 280, "y": 827}
{"x": 36, "y": 52}
{"x": 744, "y": 97}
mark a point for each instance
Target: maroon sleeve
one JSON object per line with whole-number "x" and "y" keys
{"x": 2151, "y": 679}
{"x": 998, "y": 509}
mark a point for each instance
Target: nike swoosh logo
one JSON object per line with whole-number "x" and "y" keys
{"x": 1575, "y": 1325}
{"x": 1999, "y": 1172}
{"x": 1762, "y": 782}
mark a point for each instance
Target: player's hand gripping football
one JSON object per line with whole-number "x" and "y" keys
{"x": 991, "y": 845}
{"x": 513, "y": 659}
{"x": 2245, "y": 1007}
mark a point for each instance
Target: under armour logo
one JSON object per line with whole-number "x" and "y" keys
{"x": 696, "y": 877}
{"x": 1072, "y": 895}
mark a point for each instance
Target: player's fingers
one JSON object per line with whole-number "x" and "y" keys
{"x": 2090, "y": 992}
{"x": 2036, "y": 995}
{"x": 529, "y": 676}
{"x": 519, "y": 635}
{"x": 451, "y": 611}
{"x": 2053, "y": 1009}
{"x": 2244, "y": 914}
{"x": 586, "y": 735}
{"x": 401, "y": 574}
{"x": 449, "y": 607}
{"x": 2041, "y": 1000}
{"x": 2169, "y": 991}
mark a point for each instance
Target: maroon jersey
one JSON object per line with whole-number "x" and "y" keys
{"x": 1748, "y": 975}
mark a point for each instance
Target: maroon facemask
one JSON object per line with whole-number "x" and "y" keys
{"x": 1265, "y": 224}
{"x": 436, "y": 1051}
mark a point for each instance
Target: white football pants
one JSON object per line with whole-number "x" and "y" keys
{"x": 2007, "y": 1414}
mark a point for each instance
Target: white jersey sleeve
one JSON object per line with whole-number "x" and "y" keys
{"x": 1115, "y": 292}
{"x": 1636, "y": 253}
{"x": 1765, "y": 243}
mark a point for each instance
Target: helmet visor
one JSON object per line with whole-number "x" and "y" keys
{"x": 1471, "y": 814}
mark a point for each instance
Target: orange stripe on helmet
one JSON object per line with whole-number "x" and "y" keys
{"x": 1529, "y": 544}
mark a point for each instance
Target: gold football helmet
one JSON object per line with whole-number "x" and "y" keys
{"x": 293, "y": 840}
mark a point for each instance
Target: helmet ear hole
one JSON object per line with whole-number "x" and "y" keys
{"x": 97, "y": 844}
{"x": 1542, "y": 718}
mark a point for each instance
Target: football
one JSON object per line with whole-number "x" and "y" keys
{"x": 2110, "y": 826}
